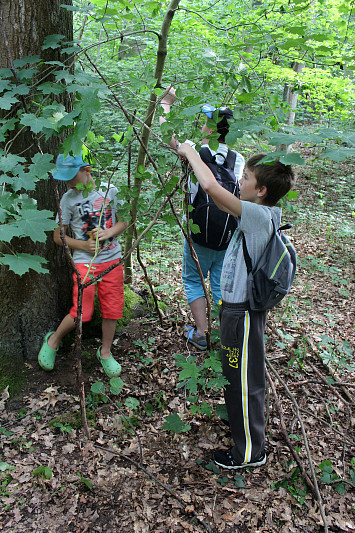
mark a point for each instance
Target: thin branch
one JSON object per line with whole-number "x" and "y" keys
{"x": 198, "y": 267}
{"x": 148, "y": 280}
{"x": 286, "y": 436}
{"x": 315, "y": 489}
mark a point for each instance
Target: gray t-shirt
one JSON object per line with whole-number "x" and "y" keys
{"x": 256, "y": 224}
{"x": 83, "y": 214}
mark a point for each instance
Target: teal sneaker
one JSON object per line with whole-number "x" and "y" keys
{"x": 111, "y": 367}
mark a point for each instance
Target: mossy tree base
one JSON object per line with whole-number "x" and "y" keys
{"x": 13, "y": 373}
{"x": 134, "y": 305}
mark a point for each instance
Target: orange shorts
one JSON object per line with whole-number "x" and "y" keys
{"x": 109, "y": 291}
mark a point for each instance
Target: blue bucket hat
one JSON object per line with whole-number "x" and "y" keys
{"x": 68, "y": 168}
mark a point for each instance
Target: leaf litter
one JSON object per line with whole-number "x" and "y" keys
{"x": 98, "y": 485}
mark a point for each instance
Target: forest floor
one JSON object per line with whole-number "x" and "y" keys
{"x": 136, "y": 476}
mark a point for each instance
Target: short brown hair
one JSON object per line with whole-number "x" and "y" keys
{"x": 276, "y": 177}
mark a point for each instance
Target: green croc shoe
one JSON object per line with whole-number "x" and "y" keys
{"x": 46, "y": 356}
{"x": 111, "y": 367}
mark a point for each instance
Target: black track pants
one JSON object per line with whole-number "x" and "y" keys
{"x": 242, "y": 344}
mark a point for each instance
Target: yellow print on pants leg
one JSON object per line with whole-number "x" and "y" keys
{"x": 232, "y": 355}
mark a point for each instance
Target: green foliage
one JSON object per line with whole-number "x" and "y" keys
{"x": 64, "y": 428}
{"x": 85, "y": 481}
{"x": 212, "y": 467}
{"x": 294, "y": 484}
{"x": 116, "y": 385}
{"x": 44, "y": 472}
{"x": 175, "y": 424}
{"x": 200, "y": 378}
{"x": 248, "y": 72}
{"x": 132, "y": 403}
{"x": 98, "y": 388}
{"x": 330, "y": 477}
{"x": 19, "y": 215}
{"x": 5, "y": 466}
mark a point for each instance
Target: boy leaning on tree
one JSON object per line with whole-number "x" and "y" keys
{"x": 242, "y": 330}
{"x": 88, "y": 218}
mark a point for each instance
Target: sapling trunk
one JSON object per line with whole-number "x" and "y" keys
{"x": 141, "y": 158}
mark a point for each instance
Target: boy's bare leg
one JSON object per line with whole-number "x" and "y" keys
{"x": 66, "y": 326}
{"x": 198, "y": 310}
{"x": 108, "y": 333}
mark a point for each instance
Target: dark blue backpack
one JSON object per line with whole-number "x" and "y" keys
{"x": 216, "y": 226}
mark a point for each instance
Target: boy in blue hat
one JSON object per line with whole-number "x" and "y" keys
{"x": 210, "y": 259}
{"x": 90, "y": 218}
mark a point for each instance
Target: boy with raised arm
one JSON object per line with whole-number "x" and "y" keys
{"x": 210, "y": 256}
{"x": 242, "y": 330}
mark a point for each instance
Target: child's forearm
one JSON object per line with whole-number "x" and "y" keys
{"x": 166, "y": 103}
{"x": 116, "y": 229}
{"x": 74, "y": 244}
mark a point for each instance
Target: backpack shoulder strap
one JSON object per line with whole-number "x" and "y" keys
{"x": 247, "y": 258}
{"x": 229, "y": 161}
{"x": 246, "y": 255}
{"x": 205, "y": 155}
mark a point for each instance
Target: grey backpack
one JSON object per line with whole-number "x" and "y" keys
{"x": 272, "y": 276}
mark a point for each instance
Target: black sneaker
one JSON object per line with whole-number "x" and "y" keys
{"x": 224, "y": 458}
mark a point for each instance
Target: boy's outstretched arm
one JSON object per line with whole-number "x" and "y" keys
{"x": 166, "y": 103}
{"x": 225, "y": 200}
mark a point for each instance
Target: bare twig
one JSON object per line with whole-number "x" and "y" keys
{"x": 286, "y": 436}
{"x": 331, "y": 372}
{"x": 197, "y": 263}
{"x": 330, "y": 385}
{"x": 148, "y": 280}
{"x": 315, "y": 488}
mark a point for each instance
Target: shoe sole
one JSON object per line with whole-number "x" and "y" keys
{"x": 238, "y": 467}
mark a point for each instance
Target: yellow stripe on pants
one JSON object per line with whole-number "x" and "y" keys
{"x": 244, "y": 384}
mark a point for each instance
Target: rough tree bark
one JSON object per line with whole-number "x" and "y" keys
{"x": 34, "y": 303}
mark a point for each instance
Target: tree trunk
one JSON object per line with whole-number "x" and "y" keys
{"x": 158, "y": 73}
{"x": 34, "y": 303}
{"x": 291, "y": 96}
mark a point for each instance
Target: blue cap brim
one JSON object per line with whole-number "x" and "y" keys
{"x": 208, "y": 110}
{"x": 69, "y": 175}
{"x": 68, "y": 168}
